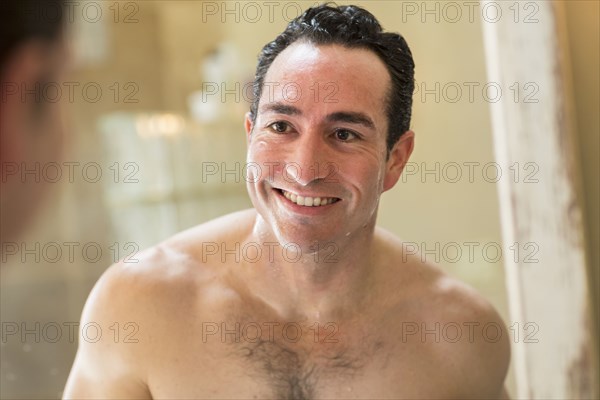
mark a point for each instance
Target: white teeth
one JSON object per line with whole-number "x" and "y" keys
{"x": 308, "y": 201}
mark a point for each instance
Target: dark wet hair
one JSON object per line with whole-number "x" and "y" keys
{"x": 351, "y": 27}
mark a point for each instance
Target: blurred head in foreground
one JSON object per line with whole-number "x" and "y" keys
{"x": 32, "y": 61}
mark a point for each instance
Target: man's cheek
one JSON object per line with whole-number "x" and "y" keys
{"x": 265, "y": 160}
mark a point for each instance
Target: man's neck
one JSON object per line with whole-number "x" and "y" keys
{"x": 332, "y": 282}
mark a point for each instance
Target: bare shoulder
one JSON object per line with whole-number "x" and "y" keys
{"x": 175, "y": 260}
{"x": 160, "y": 278}
{"x": 459, "y": 327}
{"x": 166, "y": 278}
{"x": 141, "y": 300}
{"x": 473, "y": 338}
{"x": 173, "y": 270}
{"x": 111, "y": 358}
{"x": 127, "y": 298}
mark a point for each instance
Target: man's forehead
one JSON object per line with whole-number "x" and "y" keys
{"x": 332, "y": 74}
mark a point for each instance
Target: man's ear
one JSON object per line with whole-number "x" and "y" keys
{"x": 399, "y": 156}
{"x": 248, "y": 126}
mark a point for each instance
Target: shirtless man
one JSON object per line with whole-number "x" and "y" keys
{"x": 296, "y": 301}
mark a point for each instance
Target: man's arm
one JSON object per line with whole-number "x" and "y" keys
{"x": 108, "y": 362}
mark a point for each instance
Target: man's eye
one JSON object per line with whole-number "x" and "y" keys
{"x": 279, "y": 126}
{"x": 345, "y": 135}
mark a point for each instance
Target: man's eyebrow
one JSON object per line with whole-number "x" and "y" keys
{"x": 352, "y": 118}
{"x": 280, "y": 108}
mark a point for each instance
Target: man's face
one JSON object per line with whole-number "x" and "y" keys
{"x": 320, "y": 132}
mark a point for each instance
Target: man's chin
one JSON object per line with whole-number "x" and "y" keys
{"x": 304, "y": 232}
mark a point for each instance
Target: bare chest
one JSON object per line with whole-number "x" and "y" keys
{"x": 290, "y": 361}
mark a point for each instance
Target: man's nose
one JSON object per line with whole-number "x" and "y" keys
{"x": 311, "y": 159}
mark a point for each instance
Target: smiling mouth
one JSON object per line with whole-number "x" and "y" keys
{"x": 308, "y": 201}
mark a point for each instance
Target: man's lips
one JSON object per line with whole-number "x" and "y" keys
{"x": 308, "y": 201}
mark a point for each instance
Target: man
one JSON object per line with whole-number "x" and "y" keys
{"x": 32, "y": 54}
{"x": 303, "y": 296}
